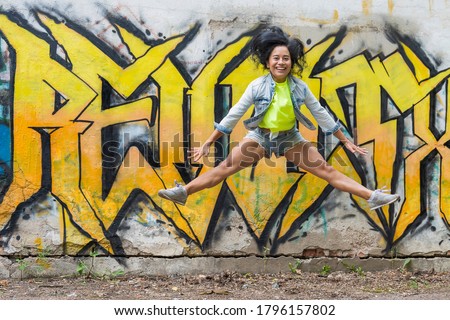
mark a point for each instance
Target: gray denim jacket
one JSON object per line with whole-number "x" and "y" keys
{"x": 260, "y": 93}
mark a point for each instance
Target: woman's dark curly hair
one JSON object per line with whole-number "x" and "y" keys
{"x": 262, "y": 45}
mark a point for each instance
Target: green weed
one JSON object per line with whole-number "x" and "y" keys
{"x": 406, "y": 265}
{"x": 23, "y": 265}
{"x": 414, "y": 284}
{"x": 81, "y": 267}
{"x": 354, "y": 269}
{"x": 326, "y": 270}
{"x": 294, "y": 266}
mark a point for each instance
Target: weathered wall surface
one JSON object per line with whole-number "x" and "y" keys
{"x": 100, "y": 101}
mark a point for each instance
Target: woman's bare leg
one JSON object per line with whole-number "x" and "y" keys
{"x": 244, "y": 155}
{"x": 306, "y": 156}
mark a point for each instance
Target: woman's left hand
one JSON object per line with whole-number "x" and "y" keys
{"x": 354, "y": 148}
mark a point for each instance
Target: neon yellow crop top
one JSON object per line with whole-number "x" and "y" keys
{"x": 280, "y": 114}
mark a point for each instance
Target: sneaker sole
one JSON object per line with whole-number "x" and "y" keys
{"x": 382, "y": 205}
{"x": 167, "y": 198}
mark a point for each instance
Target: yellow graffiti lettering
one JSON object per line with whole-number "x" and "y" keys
{"x": 86, "y": 207}
{"x": 34, "y": 94}
{"x": 404, "y": 88}
{"x": 69, "y": 127}
{"x": 414, "y": 173}
{"x": 125, "y": 82}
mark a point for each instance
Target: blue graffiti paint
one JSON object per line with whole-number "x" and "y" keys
{"x": 324, "y": 219}
{"x": 5, "y": 147}
{"x": 4, "y": 85}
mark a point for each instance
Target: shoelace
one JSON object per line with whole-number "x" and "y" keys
{"x": 383, "y": 190}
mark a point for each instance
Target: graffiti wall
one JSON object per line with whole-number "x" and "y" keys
{"x": 100, "y": 103}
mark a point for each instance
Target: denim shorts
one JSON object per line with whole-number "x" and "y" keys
{"x": 274, "y": 143}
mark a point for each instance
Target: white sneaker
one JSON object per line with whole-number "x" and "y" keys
{"x": 176, "y": 194}
{"x": 380, "y": 198}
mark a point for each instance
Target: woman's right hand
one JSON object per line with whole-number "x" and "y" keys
{"x": 197, "y": 153}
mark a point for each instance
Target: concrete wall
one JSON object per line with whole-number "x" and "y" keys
{"x": 100, "y": 101}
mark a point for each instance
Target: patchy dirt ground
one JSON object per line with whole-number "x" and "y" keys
{"x": 392, "y": 285}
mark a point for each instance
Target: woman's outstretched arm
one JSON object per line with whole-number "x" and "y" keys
{"x": 348, "y": 144}
{"x": 197, "y": 153}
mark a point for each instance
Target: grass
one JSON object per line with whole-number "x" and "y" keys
{"x": 354, "y": 269}
{"x": 326, "y": 270}
{"x": 294, "y": 266}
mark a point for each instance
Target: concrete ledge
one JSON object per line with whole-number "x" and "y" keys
{"x": 33, "y": 267}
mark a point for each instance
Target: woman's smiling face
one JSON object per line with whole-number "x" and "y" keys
{"x": 279, "y": 63}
